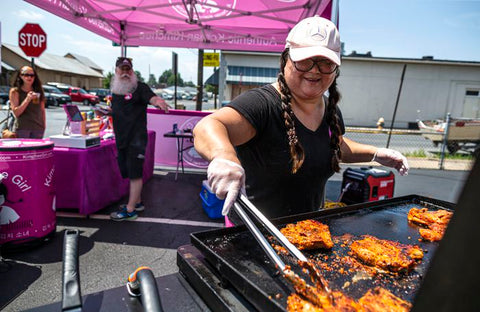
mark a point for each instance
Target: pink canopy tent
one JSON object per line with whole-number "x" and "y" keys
{"x": 248, "y": 25}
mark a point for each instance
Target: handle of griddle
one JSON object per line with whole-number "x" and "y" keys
{"x": 71, "y": 296}
{"x": 271, "y": 228}
{"x": 259, "y": 237}
{"x": 141, "y": 283}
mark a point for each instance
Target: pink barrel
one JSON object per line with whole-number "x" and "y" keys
{"x": 27, "y": 193}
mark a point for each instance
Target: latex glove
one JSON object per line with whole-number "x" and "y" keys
{"x": 391, "y": 158}
{"x": 226, "y": 179}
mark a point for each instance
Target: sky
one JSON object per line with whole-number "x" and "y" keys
{"x": 444, "y": 29}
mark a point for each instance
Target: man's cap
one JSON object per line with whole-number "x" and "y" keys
{"x": 124, "y": 61}
{"x": 314, "y": 36}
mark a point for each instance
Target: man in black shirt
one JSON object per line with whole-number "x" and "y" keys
{"x": 129, "y": 112}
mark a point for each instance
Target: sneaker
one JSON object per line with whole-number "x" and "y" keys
{"x": 123, "y": 214}
{"x": 138, "y": 206}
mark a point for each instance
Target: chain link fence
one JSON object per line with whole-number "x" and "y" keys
{"x": 421, "y": 149}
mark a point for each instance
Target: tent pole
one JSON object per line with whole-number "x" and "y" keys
{"x": 334, "y": 14}
{"x": 200, "y": 80}
{"x": 123, "y": 48}
{"x": 215, "y": 89}
{"x": 175, "y": 75}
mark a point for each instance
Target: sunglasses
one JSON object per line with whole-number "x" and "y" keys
{"x": 28, "y": 75}
{"x": 324, "y": 66}
{"x": 121, "y": 58}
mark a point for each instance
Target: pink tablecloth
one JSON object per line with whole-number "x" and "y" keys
{"x": 89, "y": 179}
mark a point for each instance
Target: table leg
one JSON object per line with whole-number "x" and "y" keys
{"x": 179, "y": 157}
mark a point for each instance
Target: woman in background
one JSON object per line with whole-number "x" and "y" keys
{"x": 27, "y": 102}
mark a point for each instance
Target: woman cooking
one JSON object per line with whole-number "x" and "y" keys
{"x": 282, "y": 142}
{"x": 27, "y": 102}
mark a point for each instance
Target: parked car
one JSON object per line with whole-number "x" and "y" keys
{"x": 78, "y": 94}
{"x": 4, "y": 90}
{"x": 204, "y": 97}
{"x": 55, "y": 97}
{"x": 101, "y": 93}
{"x": 187, "y": 96}
{"x": 166, "y": 96}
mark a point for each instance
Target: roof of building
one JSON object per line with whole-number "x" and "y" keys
{"x": 428, "y": 59}
{"x": 6, "y": 66}
{"x": 57, "y": 63}
{"x": 84, "y": 60}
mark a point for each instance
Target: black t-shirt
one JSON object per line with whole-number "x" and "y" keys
{"x": 129, "y": 113}
{"x": 266, "y": 158}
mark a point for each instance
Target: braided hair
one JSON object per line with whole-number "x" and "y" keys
{"x": 296, "y": 149}
{"x": 332, "y": 121}
{"x": 297, "y": 152}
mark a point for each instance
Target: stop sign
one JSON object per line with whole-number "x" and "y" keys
{"x": 32, "y": 40}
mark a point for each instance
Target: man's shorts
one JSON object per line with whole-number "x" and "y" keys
{"x": 130, "y": 161}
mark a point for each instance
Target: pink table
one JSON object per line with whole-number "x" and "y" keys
{"x": 89, "y": 179}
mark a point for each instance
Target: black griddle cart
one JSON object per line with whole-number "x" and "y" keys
{"x": 229, "y": 263}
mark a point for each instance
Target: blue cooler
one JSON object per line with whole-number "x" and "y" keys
{"x": 210, "y": 203}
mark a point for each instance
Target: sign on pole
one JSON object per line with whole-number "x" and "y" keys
{"x": 32, "y": 40}
{"x": 211, "y": 59}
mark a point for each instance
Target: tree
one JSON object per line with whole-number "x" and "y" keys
{"x": 139, "y": 76}
{"x": 164, "y": 76}
{"x": 107, "y": 80}
{"x": 168, "y": 78}
{"x": 210, "y": 88}
{"x": 171, "y": 80}
{"x": 152, "y": 82}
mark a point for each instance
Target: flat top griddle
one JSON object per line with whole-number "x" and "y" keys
{"x": 239, "y": 259}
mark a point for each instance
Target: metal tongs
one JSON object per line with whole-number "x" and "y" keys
{"x": 299, "y": 284}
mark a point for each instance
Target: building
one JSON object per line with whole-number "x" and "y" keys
{"x": 71, "y": 69}
{"x": 431, "y": 88}
{"x": 371, "y": 85}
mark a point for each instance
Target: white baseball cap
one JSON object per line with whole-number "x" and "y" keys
{"x": 314, "y": 36}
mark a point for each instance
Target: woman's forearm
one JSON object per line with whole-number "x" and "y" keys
{"x": 211, "y": 140}
{"x": 356, "y": 152}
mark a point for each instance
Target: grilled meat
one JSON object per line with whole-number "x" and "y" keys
{"x": 316, "y": 296}
{"x": 425, "y": 217}
{"x": 380, "y": 299}
{"x": 308, "y": 234}
{"x": 295, "y": 303}
{"x": 314, "y": 274}
{"x": 385, "y": 254}
{"x": 375, "y": 300}
{"x": 308, "y": 298}
{"x": 431, "y": 235}
{"x": 435, "y": 222}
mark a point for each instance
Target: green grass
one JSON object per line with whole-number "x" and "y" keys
{"x": 422, "y": 154}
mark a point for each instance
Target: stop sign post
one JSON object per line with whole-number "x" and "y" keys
{"x": 32, "y": 40}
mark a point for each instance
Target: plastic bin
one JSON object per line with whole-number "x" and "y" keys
{"x": 27, "y": 189}
{"x": 210, "y": 203}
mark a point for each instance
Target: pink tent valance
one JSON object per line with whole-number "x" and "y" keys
{"x": 248, "y": 25}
